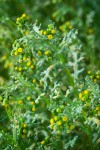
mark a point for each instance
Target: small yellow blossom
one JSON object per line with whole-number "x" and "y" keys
{"x": 47, "y": 52}
{"x": 64, "y": 118}
{"x": 16, "y": 68}
{"x": 42, "y": 142}
{"x": 34, "y": 80}
{"x": 68, "y": 23}
{"x": 24, "y": 125}
{"x": 28, "y": 63}
{"x": 32, "y": 103}
{"x": 90, "y": 30}
{"x": 32, "y": 66}
{"x": 55, "y": 118}
{"x": 95, "y": 80}
{"x": 28, "y": 98}
{"x": 97, "y": 77}
{"x": 41, "y": 31}
{"x": 86, "y": 92}
{"x": 98, "y": 112}
{"x": 82, "y": 99}
{"x": 51, "y": 121}
{"x": 20, "y": 50}
{"x": 53, "y": 31}
{"x": 26, "y": 32}
{"x": 24, "y": 58}
{"x": 24, "y": 130}
{"x": 18, "y": 19}
{"x": 20, "y": 69}
{"x": 20, "y": 102}
{"x": 80, "y": 95}
{"x": 72, "y": 127}
{"x": 45, "y": 32}
{"x": 97, "y": 108}
{"x": 33, "y": 109}
{"x": 50, "y": 36}
{"x": 59, "y": 123}
{"x": 87, "y": 104}
{"x": 91, "y": 77}
{"x": 4, "y": 57}
{"x": 89, "y": 72}
{"x": 23, "y": 15}
{"x": 39, "y": 53}
{"x": 16, "y": 53}
{"x": 70, "y": 27}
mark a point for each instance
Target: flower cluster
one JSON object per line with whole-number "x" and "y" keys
{"x": 22, "y": 20}
{"x": 49, "y": 33}
{"x": 95, "y": 76}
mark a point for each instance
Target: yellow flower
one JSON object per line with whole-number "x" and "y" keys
{"x": 50, "y": 36}
{"x": 51, "y": 121}
{"x": 23, "y": 15}
{"x": 28, "y": 98}
{"x": 33, "y": 109}
{"x": 55, "y": 118}
{"x": 53, "y": 31}
{"x": 41, "y": 31}
{"x": 98, "y": 112}
{"x": 47, "y": 52}
{"x": 82, "y": 99}
{"x": 26, "y": 32}
{"x": 80, "y": 95}
{"x": 24, "y": 130}
{"x": 20, "y": 102}
{"x": 34, "y": 81}
{"x": 20, "y": 69}
{"x": 24, "y": 125}
{"x": 59, "y": 123}
{"x": 91, "y": 77}
{"x": 97, "y": 108}
{"x": 4, "y": 57}
{"x": 97, "y": 77}
{"x": 70, "y": 27}
{"x": 45, "y": 32}
{"x": 24, "y": 58}
{"x": 32, "y": 66}
{"x": 16, "y": 53}
{"x": 20, "y": 50}
{"x": 68, "y": 23}
{"x": 89, "y": 72}
{"x": 95, "y": 80}
{"x": 32, "y": 103}
{"x": 10, "y": 64}
{"x": 28, "y": 63}
{"x": 71, "y": 127}
{"x": 16, "y": 68}
{"x": 87, "y": 104}
{"x": 90, "y": 30}
{"x": 64, "y": 118}
{"x": 86, "y": 92}
{"x": 18, "y": 19}
{"x": 42, "y": 142}
{"x": 39, "y": 53}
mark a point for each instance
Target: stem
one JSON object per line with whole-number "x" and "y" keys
{"x": 71, "y": 81}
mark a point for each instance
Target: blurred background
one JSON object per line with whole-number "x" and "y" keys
{"x": 84, "y": 15}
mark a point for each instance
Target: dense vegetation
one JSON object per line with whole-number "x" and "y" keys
{"x": 49, "y": 75}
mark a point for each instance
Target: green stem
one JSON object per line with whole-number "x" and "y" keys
{"x": 71, "y": 81}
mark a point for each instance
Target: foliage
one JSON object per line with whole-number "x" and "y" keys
{"x": 47, "y": 105}
{"x": 49, "y": 75}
